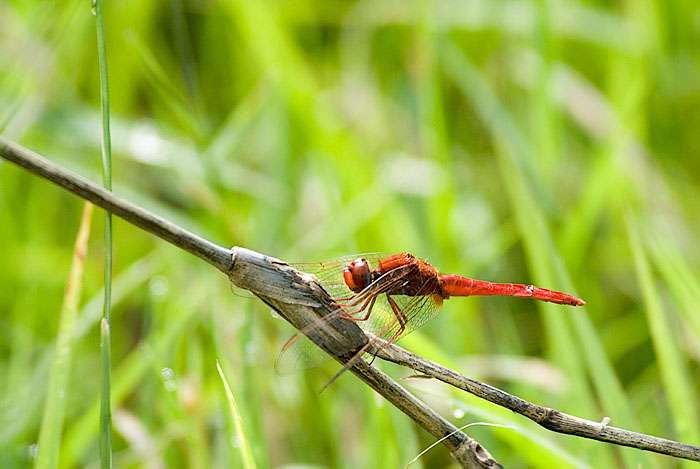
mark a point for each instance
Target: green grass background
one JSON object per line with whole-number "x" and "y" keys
{"x": 542, "y": 141}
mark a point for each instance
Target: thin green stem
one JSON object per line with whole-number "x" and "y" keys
{"x": 105, "y": 405}
{"x": 216, "y": 255}
{"x": 105, "y": 339}
{"x": 58, "y": 384}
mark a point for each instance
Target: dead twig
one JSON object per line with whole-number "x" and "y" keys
{"x": 302, "y": 302}
{"x": 549, "y": 418}
{"x": 295, "y": 296}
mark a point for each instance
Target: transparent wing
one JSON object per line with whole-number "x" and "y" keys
{"x": 298, "y": 354}
{"x": 414, "y": 311}
{"x": 240, "y": 292}
{"x": 301, "y": 353}
{"x": 330, "y": 272}
{"x": 417, "y": 311}
{"x": 383, "y": 322}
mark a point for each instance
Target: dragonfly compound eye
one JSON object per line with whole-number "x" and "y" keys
{"x": 357, "y": 275}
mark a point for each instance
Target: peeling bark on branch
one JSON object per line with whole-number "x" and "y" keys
{"x": 302, "y": 302}
{"x": 297, "y": 297}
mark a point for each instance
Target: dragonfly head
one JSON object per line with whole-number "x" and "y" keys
{"x": 357, "y": 275}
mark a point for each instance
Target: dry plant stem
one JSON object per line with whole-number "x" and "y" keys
{"x": 303, "y": 303}
{"x": 551, "y": 419}
{"x": 298, "y": 298}
{"x": 218, "y": 256}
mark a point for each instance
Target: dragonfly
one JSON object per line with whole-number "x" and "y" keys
{"x": 393, "y": 295}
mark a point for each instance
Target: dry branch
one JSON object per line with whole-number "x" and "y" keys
{"x": 302, "y": 302}
{"x": 297, "y": 297}
{"x": 218, "y": 256}
{"x": 549, "y": 418}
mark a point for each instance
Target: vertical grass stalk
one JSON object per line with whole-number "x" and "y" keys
{"x": 246, "y": 451}
{"x": 54, "y": 410}
{"x": 671, "y": 363}
{"x": 105, "y": 339}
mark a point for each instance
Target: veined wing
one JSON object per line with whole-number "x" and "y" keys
{"x": 299, "y": 352}
{"x": 383, "y": 322}
{"x": 330, "y": 272}
{"x": 417, "y": 311}
{"x": 414, "y": 311}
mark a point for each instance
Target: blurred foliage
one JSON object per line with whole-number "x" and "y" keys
{"x": 533, "y": 141}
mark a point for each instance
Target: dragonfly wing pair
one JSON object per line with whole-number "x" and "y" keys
{"x": 390, "y": 317}
{"x": 393, "y": 295}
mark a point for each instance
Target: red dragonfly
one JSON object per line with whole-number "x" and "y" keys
{"x": 393, "y": 295}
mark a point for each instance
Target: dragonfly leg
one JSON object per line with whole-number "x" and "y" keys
{"x": 291, "y": 341}
{"x": 351, "y": 301}
{"x": 381, "y": 285}
{"x": 369, "y": 304}
{"x": 344, "y": 298}
{"x": 365, "y": 295}
{"x": 400, "y": 317}
{"x": 349, "y": 312}
{"x": 343, "y": 312}
{"x": 374, "y": 357}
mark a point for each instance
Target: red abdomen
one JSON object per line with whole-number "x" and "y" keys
{"x": 457, "y": 285}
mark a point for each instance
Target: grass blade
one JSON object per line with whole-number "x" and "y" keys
{"x": 105, "y": 405}
{"x": 237, "y": 423}
{"x": 678, "y": 275}
{"x": 54, "y": 410}
{"x": 517, "y": 169}
{"x": 105, "y": 339}
{"x": 671, "y": 364}
{"x": 130, "y": 373}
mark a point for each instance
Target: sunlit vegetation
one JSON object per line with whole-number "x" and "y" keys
{"x": 542, "y": 142}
